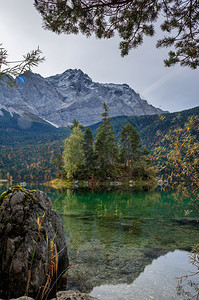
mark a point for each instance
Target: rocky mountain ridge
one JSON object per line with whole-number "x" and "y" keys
{"x": 71, "y": 95}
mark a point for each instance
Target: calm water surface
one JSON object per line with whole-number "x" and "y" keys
{"x": 129, "y": 245}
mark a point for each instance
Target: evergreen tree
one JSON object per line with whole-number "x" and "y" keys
{"x": 9, "y": 69}
{"x": 89, "y": 158}
{"x": 132, "y": 19}
{"x": 105, "y": 145}
{"x": 130, "y": 140}
{"x": 73, "y": 154}
{"x": 76, "y": 124}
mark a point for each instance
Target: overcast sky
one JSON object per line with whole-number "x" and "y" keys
{"x": 172, "y": 89}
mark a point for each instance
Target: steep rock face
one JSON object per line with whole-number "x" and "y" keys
{"x": 23, "y": 246}
{"x": 71, "y": 95}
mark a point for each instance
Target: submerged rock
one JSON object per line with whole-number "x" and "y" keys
{"x": 29, "y": 228}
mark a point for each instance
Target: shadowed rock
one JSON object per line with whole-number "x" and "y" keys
{"x": 23, "y": 245}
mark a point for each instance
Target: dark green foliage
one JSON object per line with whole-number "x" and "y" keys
{"x": 27, "y": 129}
{"x": 134, "y": 159}
{"x": 105, "y": 145}
{"x": 28, "y": 154}
{"x": 130, "y": 140}
{"x": 182, "y": 18}
{"x": 149, "y": 126}
{"x": 89, "y": 155}
{"x": 101, "y": 159}
{"x": 76, "y": 124}
{"x": 132, "y": 19}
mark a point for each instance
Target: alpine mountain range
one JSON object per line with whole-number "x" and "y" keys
{"x": 71, "y": 95}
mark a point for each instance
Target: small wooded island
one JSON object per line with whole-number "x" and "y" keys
{"x": 105, "y": 160}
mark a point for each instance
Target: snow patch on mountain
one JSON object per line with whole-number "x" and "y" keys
{"x": 51, "y": 123}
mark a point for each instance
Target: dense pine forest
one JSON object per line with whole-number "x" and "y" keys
{"x": 105, "y": 158}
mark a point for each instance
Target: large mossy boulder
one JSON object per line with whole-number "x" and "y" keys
{"x": 31, "y": 240}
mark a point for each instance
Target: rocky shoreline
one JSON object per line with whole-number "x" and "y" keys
{"x": 64, "y": 295}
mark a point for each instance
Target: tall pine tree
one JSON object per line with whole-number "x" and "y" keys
{"x": 105, "y": 146}
{"x": 130, "y": 140}
{"x": 89, "y": 157}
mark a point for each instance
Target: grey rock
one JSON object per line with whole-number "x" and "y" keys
{"x": 65, "y": 295}
{"x": 71, "y": 95}
{"x": 22, "y": 244}
{"x": 22, "y": 298}
{"x": 73, "y": 295}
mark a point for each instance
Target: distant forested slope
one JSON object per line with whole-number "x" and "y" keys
{"x": 29, "y": 145}
{"x": 16, "y": 130}
{"x": 149, "y": 126}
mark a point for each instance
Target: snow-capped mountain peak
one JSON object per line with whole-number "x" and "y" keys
{"x": 71, "y": 95}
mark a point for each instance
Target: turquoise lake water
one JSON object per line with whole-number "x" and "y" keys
{"x": 126, "y": 246}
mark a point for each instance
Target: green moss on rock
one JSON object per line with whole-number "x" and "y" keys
{"x": 3, "y": 196}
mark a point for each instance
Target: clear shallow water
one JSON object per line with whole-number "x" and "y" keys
{"x": 128, "y": 245}
{"x": 159, "y": 280}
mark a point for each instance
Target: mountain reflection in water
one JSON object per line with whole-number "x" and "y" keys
{"x": 157, "y": 281}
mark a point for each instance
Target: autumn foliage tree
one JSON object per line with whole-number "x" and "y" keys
{"x": 73, "y": 152}
{"x": 178, "y": 159}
